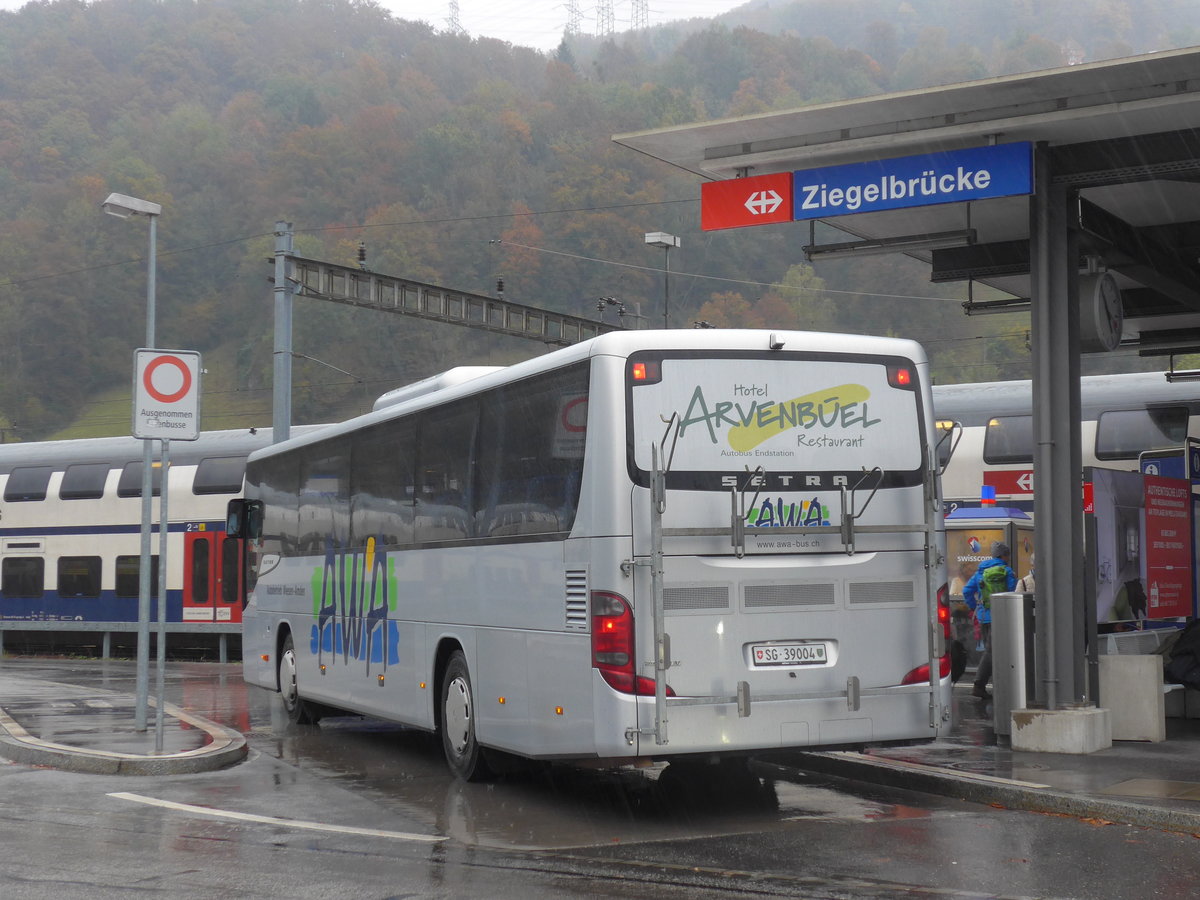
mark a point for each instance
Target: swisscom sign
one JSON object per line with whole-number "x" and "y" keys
{"x": 977, "y": 173}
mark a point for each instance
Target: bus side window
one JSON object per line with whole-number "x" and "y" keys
{"x": 445, "y": 483}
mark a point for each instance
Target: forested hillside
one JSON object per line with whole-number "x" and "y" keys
{"x": 456, "y": 161}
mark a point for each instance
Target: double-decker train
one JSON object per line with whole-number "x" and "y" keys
{"x": 987, "y": 430}
{"x": 70, "y": 529}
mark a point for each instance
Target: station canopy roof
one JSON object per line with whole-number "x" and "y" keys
{"x": 1125, "y": 133}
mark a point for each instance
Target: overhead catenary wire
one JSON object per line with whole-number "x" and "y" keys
{"x": 694, "y": 277}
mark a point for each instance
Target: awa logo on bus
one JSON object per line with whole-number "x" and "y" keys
{"x": 352, "y": 592}
{"x": 751, "y": 422}
{"x": 788, "y": 515}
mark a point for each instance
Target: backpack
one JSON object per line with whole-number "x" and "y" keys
{"x": 994, "y": 580}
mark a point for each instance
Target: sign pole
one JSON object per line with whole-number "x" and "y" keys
{"x": 143, "y": 641}
{"x": 166, "y": 406}
{"x": 161, "y": 659}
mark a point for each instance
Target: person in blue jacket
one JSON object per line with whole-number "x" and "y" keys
{"x": 977, "y": 595}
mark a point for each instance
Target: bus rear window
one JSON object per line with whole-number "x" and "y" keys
{"x": 1124, "y": 433}
{"x": 814, "y": 418}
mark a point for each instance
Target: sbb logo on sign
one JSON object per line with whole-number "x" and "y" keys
{"x": 166, "y": 394}
{"x": 758, "y": 200}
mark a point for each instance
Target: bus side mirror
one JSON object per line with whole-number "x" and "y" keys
{"x": 235, "y": 518}
{"x": 243, "y": 519}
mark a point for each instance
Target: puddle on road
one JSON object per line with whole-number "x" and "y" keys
{"x": 556, "y": 807}
{"x": 402, "y": 771}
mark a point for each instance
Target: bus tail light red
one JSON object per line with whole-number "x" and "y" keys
{"x": 920, "y": 675}
{"x": 613, "y": 648}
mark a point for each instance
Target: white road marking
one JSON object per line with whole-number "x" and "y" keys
{"x": 273, "y": 820}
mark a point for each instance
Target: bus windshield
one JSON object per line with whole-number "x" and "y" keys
{"x": 784, "y": 412}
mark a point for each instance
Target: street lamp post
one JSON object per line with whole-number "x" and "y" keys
{"x": 123, "y": 207}
{"x": 666, "y": 241}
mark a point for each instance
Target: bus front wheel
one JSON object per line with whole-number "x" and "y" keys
{"x": 297, "y": 710}
{"x": 463, "y": 752}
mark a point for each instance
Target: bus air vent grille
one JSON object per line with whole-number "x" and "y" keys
{"x": 762, "y": 596}
{"x": 681, "y": 598}
{"x": 577, "y": 600}
{"x": 879, "y": 592}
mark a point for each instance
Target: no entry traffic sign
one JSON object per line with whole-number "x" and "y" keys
{"x": 166, "y": 394}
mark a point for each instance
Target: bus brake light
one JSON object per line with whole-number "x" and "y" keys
{"x": 900, "y": 377}
{"x": 647, "y": 372}
{"x": 614, "y": 648}
{"x": 920, "y": 674}
{"x": 943, "y": 610}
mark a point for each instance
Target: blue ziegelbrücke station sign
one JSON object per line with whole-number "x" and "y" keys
{"x": 976, "y": 173}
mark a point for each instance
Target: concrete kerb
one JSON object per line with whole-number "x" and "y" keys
{"x": 986, "y": 789}
{"x": 225, "y": 748}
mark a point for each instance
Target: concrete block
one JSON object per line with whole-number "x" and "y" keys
{"x": 1083, "y": 730}
{"x": 1131, "y": 688}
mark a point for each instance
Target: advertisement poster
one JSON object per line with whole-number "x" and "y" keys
{"x": 969, "y": 538}
{"x": 1168, "y": 554}
{"x": 1141, "y": 565}
{"x": 965, "y": 549}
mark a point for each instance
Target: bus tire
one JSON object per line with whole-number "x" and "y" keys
{"x": 298, "y": 711}
{"x": 463, "y": 753}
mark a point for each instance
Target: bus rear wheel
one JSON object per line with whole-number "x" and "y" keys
{"x": 298, "y": 712}
{"x": 463, "y": 753}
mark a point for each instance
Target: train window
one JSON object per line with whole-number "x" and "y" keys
{"x": 201, "y": 567}
{"x": 83, "y": 481}
{"x": 1009, "y": 439}
{"x": 219, "y": 475}
{"x": 128, "y": 572}
{"x": 28, "y": 483}
{"x": 79, "y": 576}
{"x": 1124, "y": 433}
{"x": 130, "y": 484}
{"x": 23, "y": 577}
{"x": 231, "y": 563}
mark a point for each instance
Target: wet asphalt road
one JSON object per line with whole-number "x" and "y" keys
{"x": 362, "y": 808}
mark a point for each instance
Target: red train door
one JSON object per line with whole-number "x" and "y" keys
{"x": 212, "y": 573}
{"x": 230, "y": 571}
